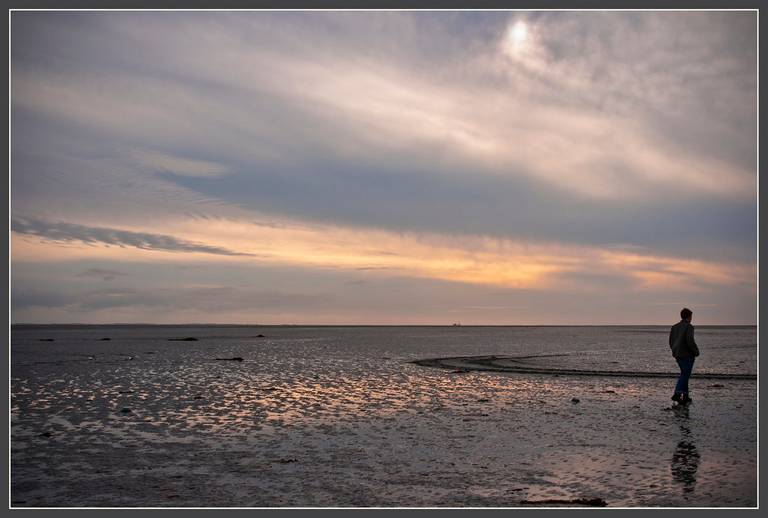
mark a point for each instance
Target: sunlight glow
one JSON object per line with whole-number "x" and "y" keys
{"x": 476, "y": 260}
{"x": 518, "y": 33}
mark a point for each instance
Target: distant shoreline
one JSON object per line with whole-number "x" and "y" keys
{"x": 77, "y": 325}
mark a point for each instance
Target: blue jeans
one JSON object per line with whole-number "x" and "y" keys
{"x": 686, "y": 367}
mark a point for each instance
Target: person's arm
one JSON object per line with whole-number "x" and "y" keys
{"x": 691, "y": 342}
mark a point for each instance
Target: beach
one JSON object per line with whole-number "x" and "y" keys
{"x": 343, "y": 417}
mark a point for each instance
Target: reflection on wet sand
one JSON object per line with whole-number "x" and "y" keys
{"x": 686, "y": 459}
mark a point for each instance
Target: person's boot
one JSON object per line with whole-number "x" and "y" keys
{"x": 685, "y": 399}
{"x": 677, "y": 397}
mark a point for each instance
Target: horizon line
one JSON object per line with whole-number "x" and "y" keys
{"x": 213, "y": 324}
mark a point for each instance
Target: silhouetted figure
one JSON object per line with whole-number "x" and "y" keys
{"x": 685, "y": 351}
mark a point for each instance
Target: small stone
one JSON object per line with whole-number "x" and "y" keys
{"x": 105, "y": 339}
{"x": 126, "y": 411}
{"x": 575, "y": 400}
{"x": 483, "y": 400}
{"x": 45, "y": 434}
{"x": 260, "y": 336}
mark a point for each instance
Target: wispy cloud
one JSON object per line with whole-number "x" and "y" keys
{"x": 162, "y": 162}
{"x": 101, "y": 273}
{"x": 377, "y": 108}
{"x": 68, "y": 232}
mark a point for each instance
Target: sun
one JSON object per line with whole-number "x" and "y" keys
{"x": 519, "y": 32}
{"x": 517, "y": 35}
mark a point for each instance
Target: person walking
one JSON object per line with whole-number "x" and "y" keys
{"x": 685, "y": 351}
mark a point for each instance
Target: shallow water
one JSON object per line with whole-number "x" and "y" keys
{"x": 338, "y": 416}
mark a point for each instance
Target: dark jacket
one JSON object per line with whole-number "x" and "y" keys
{"x": 681, "y": 340}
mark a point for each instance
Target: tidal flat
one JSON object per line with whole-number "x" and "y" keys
{"x": 343, "y": 417}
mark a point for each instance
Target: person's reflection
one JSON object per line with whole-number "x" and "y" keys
{"x": 685, "y": 461}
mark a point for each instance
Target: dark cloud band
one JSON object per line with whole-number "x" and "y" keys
{"x": 67, "y": 232}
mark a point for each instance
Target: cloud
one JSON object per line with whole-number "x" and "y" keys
{"x": 586, "y": 122}
{"x": 162, "y": 162}
{"x": 101, "y": 273}
{"x": 207, "y": 298}
{"x": 68, "y": 232}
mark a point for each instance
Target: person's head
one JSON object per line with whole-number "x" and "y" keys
{"x": 686, "y": 314}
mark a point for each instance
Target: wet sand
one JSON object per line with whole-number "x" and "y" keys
{"x": 305, "y": 421}
{"x": 543, "y": 364}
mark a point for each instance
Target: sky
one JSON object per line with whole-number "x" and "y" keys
{"x": 503, "y": 167}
